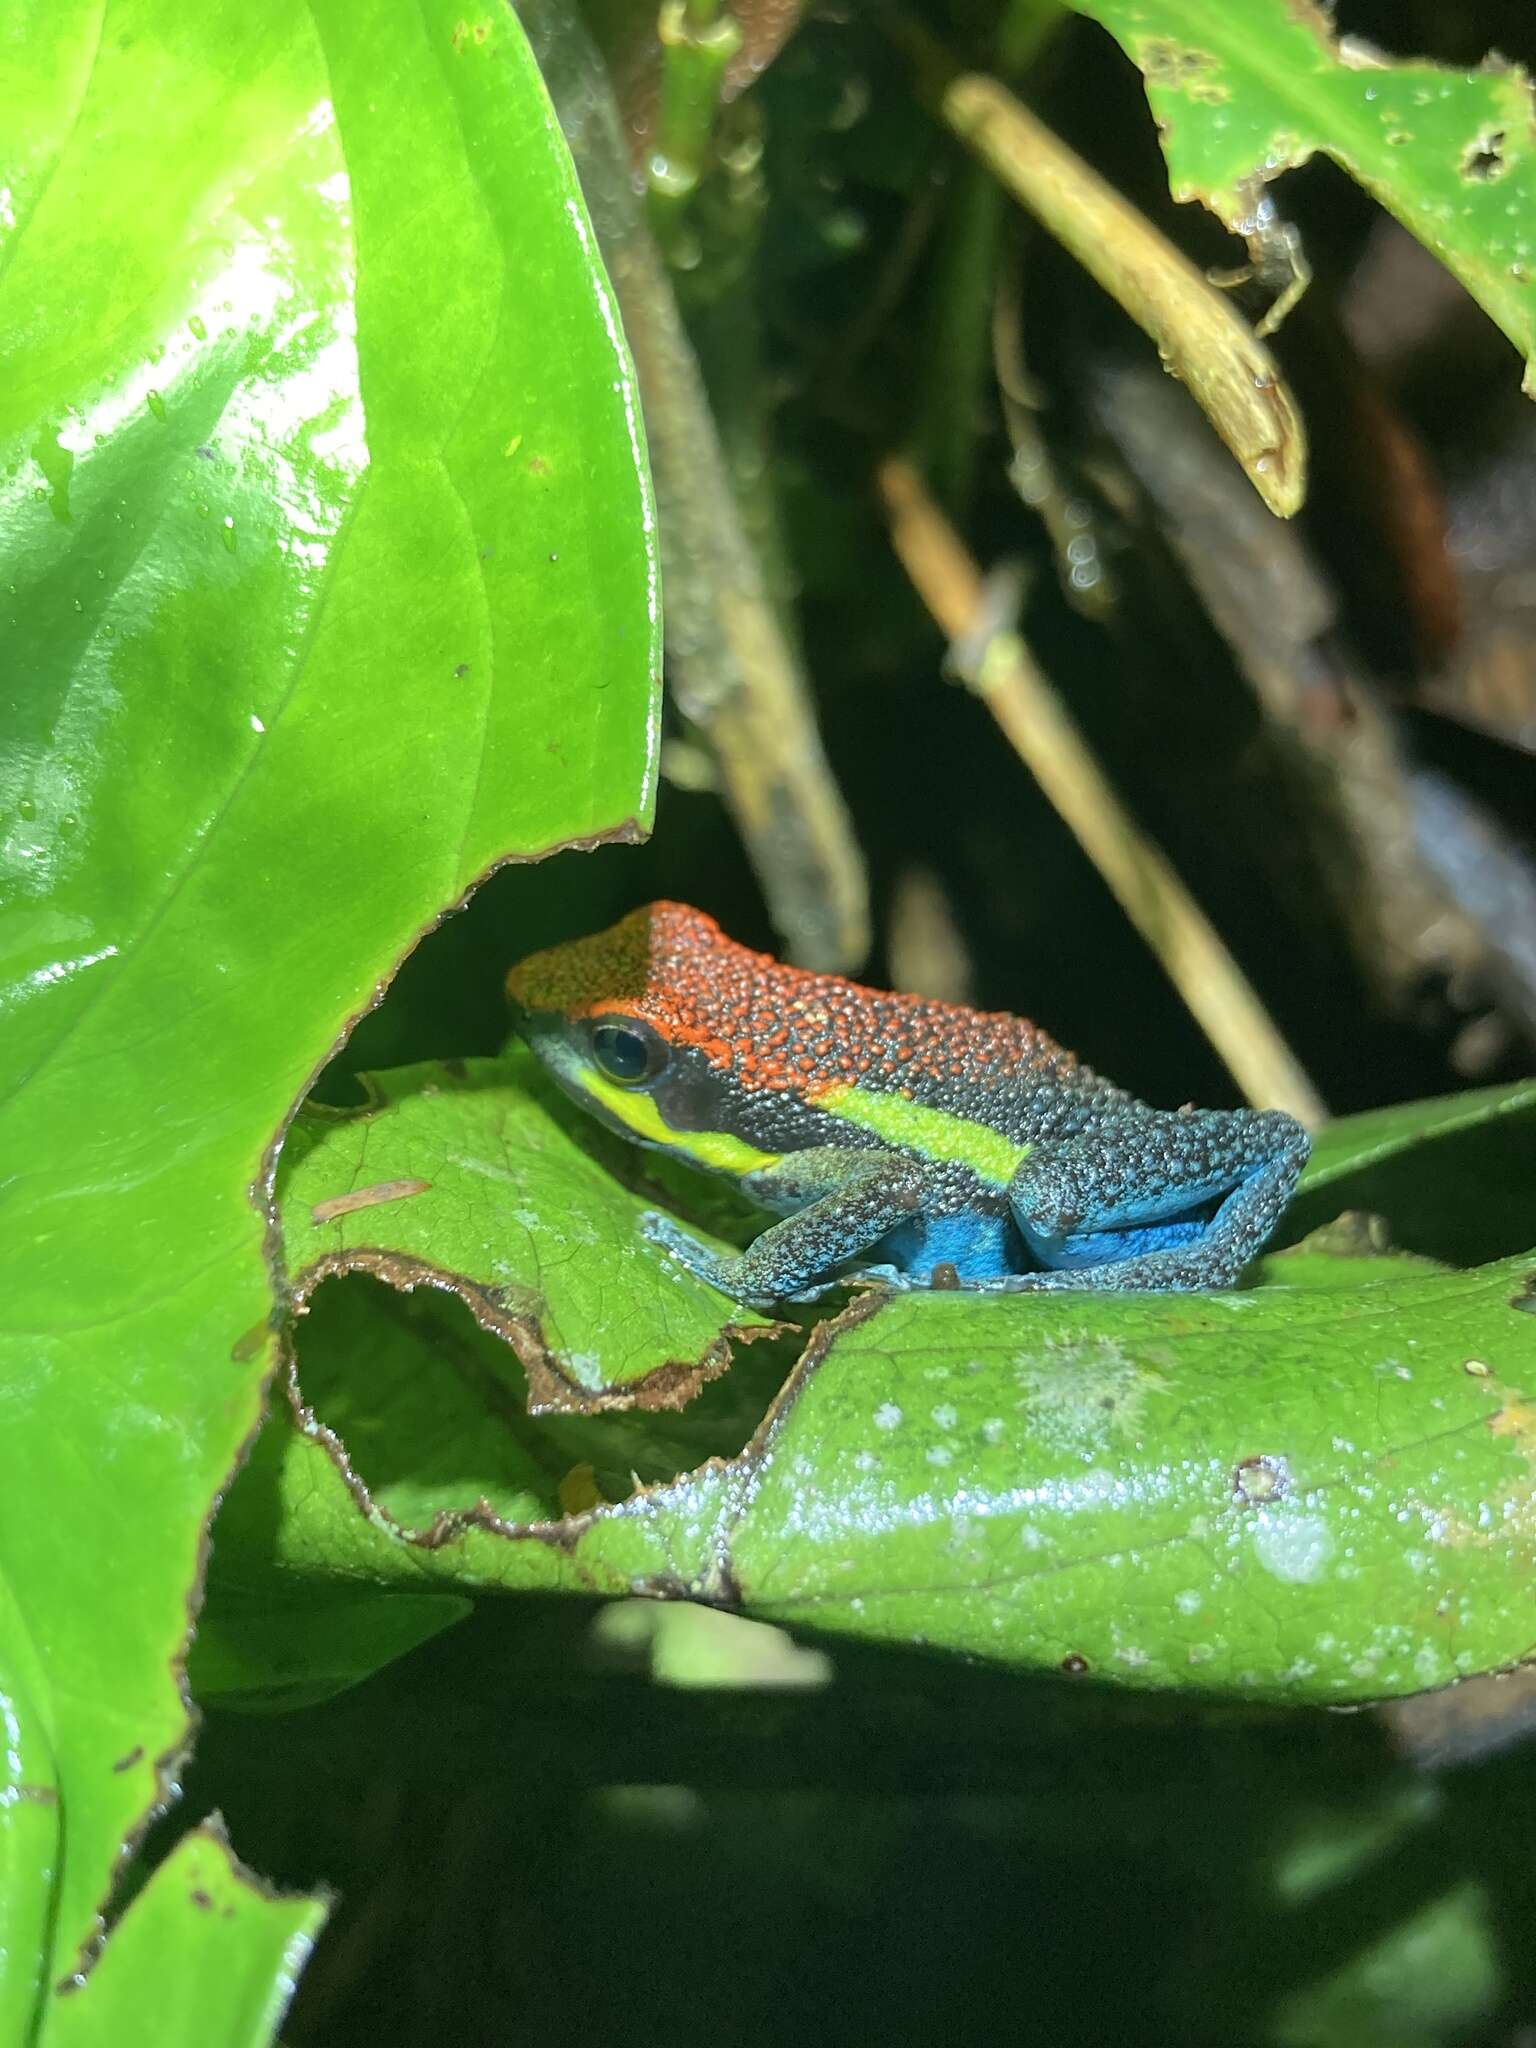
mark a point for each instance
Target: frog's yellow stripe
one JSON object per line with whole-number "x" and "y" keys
{"x": 933, "y": 1133}
{"x": 718, "y": 1150}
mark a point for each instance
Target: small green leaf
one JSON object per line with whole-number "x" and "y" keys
{"x": 1352, "y": 1145}
{"x": 1244, "y": 91}
{"x": 204, "y": 1955}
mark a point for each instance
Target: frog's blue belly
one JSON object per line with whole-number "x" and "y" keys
{"x": 978, "y": 1246}
{"x": 983, "y": 1246}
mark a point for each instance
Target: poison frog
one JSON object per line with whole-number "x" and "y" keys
{"x": 918, "y": 1140}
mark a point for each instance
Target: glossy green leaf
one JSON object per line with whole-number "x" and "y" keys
{"x": 431, "y": 1408}
{"x": 1294, "y": 1493}
{"x": 204, "y": 1955}
{"x": 479, "y": 1178}
{"x": 326, "y": 582}
{"x": 1452, "y": 1177}
{"x": 1322, "y": 1487}
{"x": 1353, "y": 1145}
{"x": 1321, "y": 1493}
{"x": 30, "y": 1819}
{"x": 1244, "y": 89}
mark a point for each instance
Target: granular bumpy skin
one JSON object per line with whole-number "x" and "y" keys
{"x": 780, "y": 1029}
{"x": 935, "y": 1140}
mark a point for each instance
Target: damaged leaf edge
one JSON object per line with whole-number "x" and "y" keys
{"x": 673, "y": 1384}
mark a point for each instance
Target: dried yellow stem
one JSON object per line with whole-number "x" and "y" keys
{"x": 1044, "y": 736}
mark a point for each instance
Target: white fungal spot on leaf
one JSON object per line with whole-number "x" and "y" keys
{"x": 1293, "y": 1547}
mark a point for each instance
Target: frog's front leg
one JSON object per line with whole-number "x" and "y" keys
{"x": 1180, "y": 1199}
{"x": 852, "y": 1198}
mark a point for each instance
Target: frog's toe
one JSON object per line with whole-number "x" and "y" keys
{"x": 709, "y": 1266}
{"x": 685, "y": 1250}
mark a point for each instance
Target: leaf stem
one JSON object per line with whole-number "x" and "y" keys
{"x": 1200, "y": 336}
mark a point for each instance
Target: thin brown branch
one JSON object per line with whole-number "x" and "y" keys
{"x": 1044, "y": 736}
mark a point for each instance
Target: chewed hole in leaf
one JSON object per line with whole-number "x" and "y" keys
{"x": 431, "y": 1410}
{"x": 481, "y": 1178}
{"x": 1483, "y": 158}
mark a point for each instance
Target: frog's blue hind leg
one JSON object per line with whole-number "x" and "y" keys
{"x": 1181, "y": 1199}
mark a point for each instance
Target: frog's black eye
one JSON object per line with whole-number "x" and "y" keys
{"x": 627, "y": 1053}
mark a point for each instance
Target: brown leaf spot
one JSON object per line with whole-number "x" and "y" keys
{"x": 1074, "y": 1664}
{"x": 1258, "y": 1480}
{"x": 201, "y": 1899}
{"x": 135, "y": 1755}
{"x": 1517, "y": 1418}
{"x": 578, "y": 1490}
{"x": 1196, "y": 73}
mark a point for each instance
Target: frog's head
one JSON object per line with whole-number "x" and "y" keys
{"x": 649, "y": 1026}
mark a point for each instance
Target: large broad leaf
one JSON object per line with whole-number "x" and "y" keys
{"x": 328, "y": 581}
{"x": 1322, "y": 1487}
{"x": 1243, "y": 89}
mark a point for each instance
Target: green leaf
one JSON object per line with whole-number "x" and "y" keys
{"x": 273, "y": 1645}
{"x": 1320, "y": 1488}
{"x": 477, "y": 1177}
{"x": 1244, "y": 89}
{"x": 30, "y": 1819}
{"x": 205, "y": 1954}
{"x": 1452, "y": 1176}
{"x": 1352, "y": 1145}
{"x": 328, "y": 581}
{"x": 1296, "y": 1494}
{"x": 432, "y": 1408}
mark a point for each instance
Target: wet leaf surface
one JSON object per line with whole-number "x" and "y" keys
{"x": 321, "y": 515}
{"x": 1295, "y": 1492}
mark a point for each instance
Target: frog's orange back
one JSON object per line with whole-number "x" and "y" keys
{"x": 780, "y": 1028}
